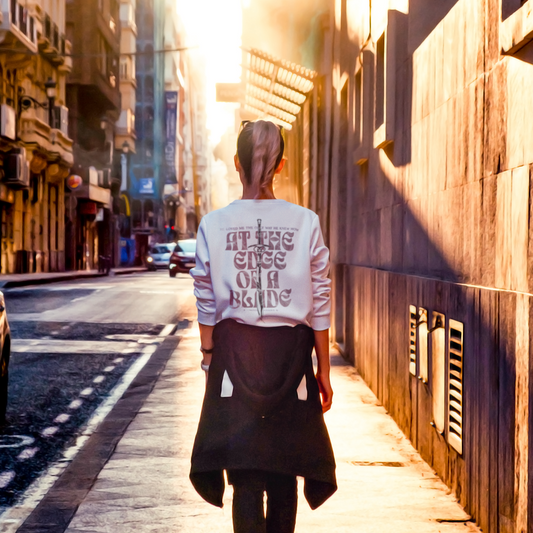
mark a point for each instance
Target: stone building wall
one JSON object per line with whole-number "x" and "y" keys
{"x": 424, "y": 194}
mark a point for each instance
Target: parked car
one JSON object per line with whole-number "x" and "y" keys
{"x": 159, "y": 255}
{"x": 5, "y": 351}
{"x": 183, "y": 257}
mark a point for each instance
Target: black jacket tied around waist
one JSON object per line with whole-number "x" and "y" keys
{"x": 262, "y": 411}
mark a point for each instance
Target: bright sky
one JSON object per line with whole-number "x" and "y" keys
{"x": 215, "y": 25}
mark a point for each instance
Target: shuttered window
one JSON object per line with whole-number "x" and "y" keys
{"x": 412, "y": 339}
{"x": 455, "y": 385}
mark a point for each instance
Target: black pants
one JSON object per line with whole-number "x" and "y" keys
{"x": 249, "y": 487}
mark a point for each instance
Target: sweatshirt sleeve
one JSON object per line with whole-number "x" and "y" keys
{"x": 203, "y": 286}
{"x": 319, "y": 278}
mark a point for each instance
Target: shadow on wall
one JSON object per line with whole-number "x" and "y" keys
{"x": 417, "y": 223}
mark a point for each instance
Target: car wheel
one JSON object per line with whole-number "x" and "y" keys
{"x": 4, "y": 380}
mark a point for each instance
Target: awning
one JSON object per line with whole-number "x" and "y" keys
{"x": 274, "y": 88}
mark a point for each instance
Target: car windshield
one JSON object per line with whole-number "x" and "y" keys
{"x": 189, "y": 247}
{"x": 160, "y": 249}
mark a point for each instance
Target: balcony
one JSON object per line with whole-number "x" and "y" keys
{"x": 17, "y": 28}
{"x": 52, "y": 43}
{"x": 95, "y": 186}
{"x": 66, "y": 66}
{"x": 54, "y": 141}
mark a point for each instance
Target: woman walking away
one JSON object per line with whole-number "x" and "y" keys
{"x": 263, "y": 299}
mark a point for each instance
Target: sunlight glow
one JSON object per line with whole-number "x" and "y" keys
{"x": 216, "y": 27}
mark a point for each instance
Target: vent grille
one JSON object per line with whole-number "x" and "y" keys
{"x": 455, "y": 385}
{"x": 423, "y": 366}
{"x": 413, "y": 315}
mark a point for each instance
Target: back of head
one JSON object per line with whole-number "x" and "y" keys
{"x": 260, "y": 150}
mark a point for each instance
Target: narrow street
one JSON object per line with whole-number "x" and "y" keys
{"x": 76, "y": 346}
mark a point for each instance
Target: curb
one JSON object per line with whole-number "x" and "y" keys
{"x": 56, "y": 510}
{"x": 9, "y": 284}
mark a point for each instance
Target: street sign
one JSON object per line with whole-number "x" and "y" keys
{"x": 147, "y": 186}
{"x": 229, "y": 92}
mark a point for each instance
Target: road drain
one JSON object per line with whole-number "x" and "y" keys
{"x": 377, "y": 463}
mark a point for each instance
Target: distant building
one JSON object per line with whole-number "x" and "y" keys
{"x": 167, "y": 189}
{"x": 125, "y": 133}
{"x": 93, "y": 97}
{"x": 36, "y": 149}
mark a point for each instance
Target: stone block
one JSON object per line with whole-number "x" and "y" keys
{"x": 516, "y": 120}
{"x": 449, "y": 53}
{"x": 471, "y": 218}
{"x": 519, "y": 228}
{"x": 438, "y": 38}
{"x": 503, "y": 248}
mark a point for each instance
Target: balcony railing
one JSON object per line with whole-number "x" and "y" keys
{"x": 17, "y": 28}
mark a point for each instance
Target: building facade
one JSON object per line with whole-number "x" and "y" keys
{"x": 94, "y": 101}
{"x": 125, "y": 134}
{"x": 36, "y": 150}
{"x": 423, "y": 188}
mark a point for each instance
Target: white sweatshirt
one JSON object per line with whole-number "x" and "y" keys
{"x": 275, "y": 277}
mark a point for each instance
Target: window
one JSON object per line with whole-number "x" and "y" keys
{"x": 9, "y": 86}
{"x": 380, "y": 82}
{"x": 124, "y": 69}
{"x": 358, "y": 109}
{"x": 102, "y": 55}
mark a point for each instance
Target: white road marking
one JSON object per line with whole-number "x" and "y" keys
{"x": 75, "y": 404}
{"x": 109, "y": 368}
{"x": 118, "y": 360}
{"x": 48, "y": 346}
{"x": 15, "y": 441}
{"x": 28, "y": 453}
{"x": 98, "y": 379}
{"x": 16, "y": 515}
{"x": 167, "y": 330}
{"x": 48, "y": 432}
{"x": 6, "y": 478}
{"x": 86, "y": 392}
{"x": 62, "y": 418}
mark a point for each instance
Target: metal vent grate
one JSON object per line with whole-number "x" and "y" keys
{"x": 455, "y": 385}
{"x": 413, "y": 316}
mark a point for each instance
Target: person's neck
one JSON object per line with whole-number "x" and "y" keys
{"x": 249, "y": 193}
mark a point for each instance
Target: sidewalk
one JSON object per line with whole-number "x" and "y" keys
{"x": 144, "y": 486}
{"x": 41, "y": 278}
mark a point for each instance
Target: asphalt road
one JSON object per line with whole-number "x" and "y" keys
{"x": 74, "y": 344}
